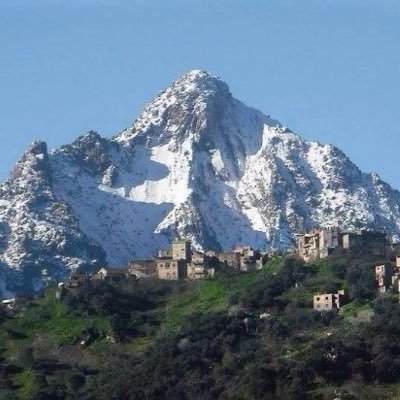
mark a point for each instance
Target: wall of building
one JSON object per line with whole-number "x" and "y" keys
{"x": 232, "y": 259}
{"x": 181, "y": 250}
{"x": 328, "y": 301}
{"x": 171, "y": 270}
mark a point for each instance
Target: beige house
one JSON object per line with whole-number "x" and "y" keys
{"x": 181, "y": 250}
{"x": 318, "y": 243}
{"x": 383, "y": 277}
{"x": 198, "y": 271}
{"x": 142, "y": 268}
{"x": 328, "y": 301}
{"x": 172, "y": 264}
{"x": 198, "y": 257}
{"x": 171, "y": 270}
{"x": 321, "y": 242}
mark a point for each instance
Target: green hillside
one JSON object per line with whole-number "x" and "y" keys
{"x": 151, "y": 339}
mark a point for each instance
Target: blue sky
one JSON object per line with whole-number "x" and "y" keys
{"x": 328, "y": 69}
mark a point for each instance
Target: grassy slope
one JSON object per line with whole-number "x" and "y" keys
{"x": 50, "y": 319}
{"x": 210, "y": 295}
{"x": 47, "y": 322}
{"x": 44, "y": 324}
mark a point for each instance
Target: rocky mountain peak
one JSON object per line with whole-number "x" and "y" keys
{"x": 200, "y": 83}
{"x": 187, "y": 103}
{"x": 90, "y": 151}
{"x": 31, "y": 173}
{"x": 35, "y": 157}
{"x": 197, "y": 163}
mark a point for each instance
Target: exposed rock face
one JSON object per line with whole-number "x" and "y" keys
{"x": 196, "y": 163}
{"x": 40, "y": 238}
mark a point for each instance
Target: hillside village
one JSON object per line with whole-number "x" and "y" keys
{"x": 179, "y": 262}
{"x": 322, "y": 242}
{"x": 309, "y": 304}
{"x": 182, "y": 262}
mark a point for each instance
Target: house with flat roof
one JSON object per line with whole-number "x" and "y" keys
{"x": 328, "y": 301}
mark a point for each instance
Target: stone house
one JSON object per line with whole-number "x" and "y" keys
{"x": 328, "y": 301}
{"x": 181, "y": 250}
{"x": 243, "y": 258}
{"x": 329, "y": 240}
{"x": 231, "y": 259}
{"x": 322, "y": 242}
{"x": 398, "y": 262}
{"x": 351, "y": 240}
{"x": 142, "y": 269}
{"x": 319, "y": 243}
{"x": 383, "y": 277}
{"x": 170, "y": 269}
{"x": 199, "y": 271}
{"x": 251, "y": 260}
{"x": 172, "y": 264}
{"x": 198, "y": 257}
{"x": 367, "y": 242}
{"x": 247, "y": 264}
{"x": 308, "y": 246}
{"x": 75, "y": 281}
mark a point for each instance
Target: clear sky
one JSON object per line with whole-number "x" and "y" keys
{"x": 328, "y": 69}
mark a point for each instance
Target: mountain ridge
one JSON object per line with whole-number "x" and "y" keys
{"x": 196, "y": 163}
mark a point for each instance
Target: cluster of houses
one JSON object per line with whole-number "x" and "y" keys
{"x": 182, "y": 262}
{"x": 179, "y": 262}
{"x": 322, "y": 242}
{"x": 387, "y": 278}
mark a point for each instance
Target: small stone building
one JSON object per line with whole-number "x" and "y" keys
{"x": 322, "y": 242}
{"x": 383, "y": 277}
{"x": 351, "y": 240}
{"x": 366, "y": 242}
{"x": 328, "y": 301}
{"x": 232, "y": 259}
{"x": 142, "y": 269}
{"x": 198, "y": 271}
{"x": 171, "y": 270}
{"x": 251, "y": 260}
{"x": 199, "y": 257}
{"x": 319, "y": 243}
{"x": 181, "y": 250}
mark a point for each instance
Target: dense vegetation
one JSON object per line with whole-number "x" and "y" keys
{"x": 205, "y": 340}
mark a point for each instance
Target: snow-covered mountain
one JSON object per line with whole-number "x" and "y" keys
{"x": 197, "y": 163}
